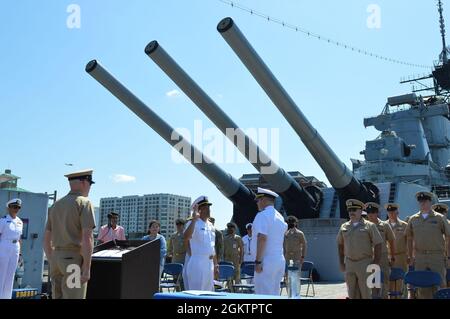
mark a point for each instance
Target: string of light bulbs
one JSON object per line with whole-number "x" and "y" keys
{"x": 308, "y": 33}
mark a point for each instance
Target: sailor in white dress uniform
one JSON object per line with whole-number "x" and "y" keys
{"x": 269, "y": 228}
{"x": 249, "y": 249}
{"x": 11, "y": 228}
{"x": 202, "y": 263}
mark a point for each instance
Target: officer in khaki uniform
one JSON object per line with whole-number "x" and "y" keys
{"x": 411, "y": 290}
{"x": 426, "y": 233}
{"x": 233, "y": 250}
{"x": 176, "y": 249}
{"x": 68, "y": 240}
{"x": 359, "y": 245}
{"x": 443, "y": 209}
{"x": 294, "y": 245}
{"x": 388, "y": 236}
{"x": 399, "y": 227}
{"x": 219, "y": 240}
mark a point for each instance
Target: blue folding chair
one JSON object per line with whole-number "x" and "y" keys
{"x": 423, "y": 278}
{"x": 442, "y": 294}
{"x": 411, "y": 288}
{"x": 306, "y": 276}
{"x": 226, "y": 275}
{"x": 396, "y": 275}
{"x": 228, "y": 263}
{"x": 247, "y": 263}
{"x": 247, "y": 273}
{"x": 247, "y": 270}
{"x": 171, "y": 277}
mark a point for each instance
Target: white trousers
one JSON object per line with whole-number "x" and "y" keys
{"x": 200, "y": 273}
{"x": 184, "y": 274}
{"x": 9, "y": 257}
{"x": 268, "y": 281}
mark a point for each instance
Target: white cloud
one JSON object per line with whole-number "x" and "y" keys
{"x": 173, "y": 93}
{"x": 121, "y": 178}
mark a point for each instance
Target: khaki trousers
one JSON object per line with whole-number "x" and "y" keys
{"x": 356, "y": 278}
{"x": 65, "y": 270}
{"x": 385, "y": 268}
{"x": 434, "y": 262}
{"x": 237, "y": 268}
{"x": 401, "y": 261}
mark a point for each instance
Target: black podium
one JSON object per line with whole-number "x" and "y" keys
{"x": 125, "y": 269}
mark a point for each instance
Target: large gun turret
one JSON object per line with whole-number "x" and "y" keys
{"x": 245, "y": 208}
{"x": 340, "y": 177}
{"x": 297, "y": 200}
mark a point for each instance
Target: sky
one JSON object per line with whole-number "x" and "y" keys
{"x": 53, "y": 113}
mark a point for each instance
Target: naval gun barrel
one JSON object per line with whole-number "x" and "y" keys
{"x": 340, "y": 177}
{"x": 243, "y": 198}
{"x": 297, "y": 200}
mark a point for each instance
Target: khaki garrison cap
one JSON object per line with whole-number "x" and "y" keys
{"x": 391, "y": 206}
{"x": 81, "y": 175}
{"x": 439, "y": 207}
{"x": 371, "y": 207}
{"x": 354, "y": 203}
{"x": 424, "y": 195}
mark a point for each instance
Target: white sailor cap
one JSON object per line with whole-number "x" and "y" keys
{"x": 249, "y": 225}
{"x": 14, "y": 201}
{"x": 265, "y": 192}
{"x": 202, "y": 200}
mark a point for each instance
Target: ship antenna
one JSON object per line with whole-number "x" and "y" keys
{"x": 442, "y": 26}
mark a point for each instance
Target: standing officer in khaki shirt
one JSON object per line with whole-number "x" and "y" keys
{"x": 399, "y": 227}
{"x": 176, "y": 247}
{"x": 233, "y": 250}
{"x": 426, "y": 232}
{"x": 219, "y": 240}
{"x": 388, "y": 236}
{"x": 68, "y": 239}
{"x": 443, "y": 209}
{"x": 359, "y": 245}
{"x": 294, "y": 243}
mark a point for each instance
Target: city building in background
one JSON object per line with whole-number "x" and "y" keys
{"x": 97, "y": 220}
{"x": 136, "y": 212}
